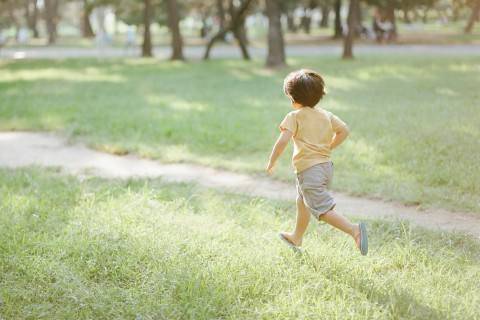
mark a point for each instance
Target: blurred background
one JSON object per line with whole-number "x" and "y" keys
{"x": 50, "y": 28}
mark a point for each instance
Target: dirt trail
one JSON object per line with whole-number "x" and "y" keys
{"x": 19, "y": 149}
{"x": 229, "y": 51}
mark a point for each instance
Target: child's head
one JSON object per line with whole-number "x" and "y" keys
{"x": 304, "y": 87}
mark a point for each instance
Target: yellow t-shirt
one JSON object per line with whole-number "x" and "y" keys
{"x": 313, "y": 130}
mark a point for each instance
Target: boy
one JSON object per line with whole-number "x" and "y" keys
{"x": 315, "y": 133}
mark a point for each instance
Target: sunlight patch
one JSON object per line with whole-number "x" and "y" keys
{"x": 88, "y": 74}
{"x": 465, "y": 67}
{"x": 173, "y": 102}
{"x": 446, "y": 92}
{"x": 340, "y": 83}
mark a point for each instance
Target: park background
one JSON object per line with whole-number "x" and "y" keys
{"x": 199, "y": 83}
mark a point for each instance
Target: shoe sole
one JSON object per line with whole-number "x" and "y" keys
{"x": 363, "y": 239}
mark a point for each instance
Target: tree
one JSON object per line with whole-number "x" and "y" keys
{"x": 173, "y": 25}
{"x": 51, "y": 19}
{"x": 147, "y": 37}
{"x": 276, "y": 47}
{"x": 240, "y": 32}
{"x": 352, "y": 23}
{"x": 221, "y": 15}
{"x": 288, "y": 7}
{"x": 474, "y": 16}
{"x": 11, "y": 8}
{"x": 338, "y": 30}
{"x": 236, "y": 22}
{"x": 87, "y": 30}
{"x": 31, "y": 14}
{"x": 7, "y": 18}
{"x": 325, "y": 7}
{"x": 306, "y": 20}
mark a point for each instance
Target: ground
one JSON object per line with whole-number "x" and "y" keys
{"x": 148, "y": 250}
{"x": 83, "y": 247}
{"x": 414, "y": 120}
{"x": 22, "y": 149}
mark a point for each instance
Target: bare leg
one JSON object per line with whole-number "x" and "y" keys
{"x": 303, "y": 218}
{"x": 342, "y": 223}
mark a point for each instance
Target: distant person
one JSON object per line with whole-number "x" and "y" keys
{"x": 22, "y": 36}
{"x": 315, "y": 133}
{"x": 131, "y": 38}
{"x": 377, "y": 26}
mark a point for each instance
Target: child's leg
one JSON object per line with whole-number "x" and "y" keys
{"x": 342, "y": 223}
{"x": 303, "y": 218}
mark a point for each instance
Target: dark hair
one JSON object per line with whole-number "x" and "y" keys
{"x": 305, "y": 87}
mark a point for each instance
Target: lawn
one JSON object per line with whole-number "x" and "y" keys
{"x": 414, "y": 120}
{"x": 138, "y": 249}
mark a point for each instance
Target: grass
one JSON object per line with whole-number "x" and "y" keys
{"x": 414, "y": 120}
{"x": 96, "y": 249}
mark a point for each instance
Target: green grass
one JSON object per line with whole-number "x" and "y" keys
{"x": 147, "y": 250}
{"x": 414, "y": 120}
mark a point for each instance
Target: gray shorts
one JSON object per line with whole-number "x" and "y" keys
{"x": 312, "y": 184}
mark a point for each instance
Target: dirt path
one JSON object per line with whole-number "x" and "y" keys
{"x": 229, "y": 51}
{"x": 18, "y": 149}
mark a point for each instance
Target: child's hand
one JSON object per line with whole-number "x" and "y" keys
{"x": 269, "y": 168}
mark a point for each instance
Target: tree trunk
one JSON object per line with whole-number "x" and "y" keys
{"x": 204, "y": 28}
{"x": 475, "y": 15}
{"x": 276, "y": 47}
{"x": 291, "y": 26}
{"x": 217, "y": 37}
{"x": 359, "y": 20}
{"x": 173, "y": 25}
{"x": 455, "y": 13}
{"x": 31, "y": 13}
{"x": 51, "y": 19}
{"x": 237, "y": 18}
{"x": 147, "y": 37}
{"x": 87, "y": 30}
{"x": 221, "y": 16}
{"x": 34, "y": 20}
{"x": 406, "y": 16}
{"x": 425, "y": 15}
{"x": 243, "y": 32}
{"x": 306, "y": 21}
{"x": 351, "y": 22}
{"x": 240, "y": 33}
{"x": 338, "y": 20}
{"x": 325, "y": 13}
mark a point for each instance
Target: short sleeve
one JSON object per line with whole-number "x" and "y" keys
{"x": 289, "y": 123}
{"x": 336, "y": 122}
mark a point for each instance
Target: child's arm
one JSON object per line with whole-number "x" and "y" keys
{"x": 340, "y": 135}
{"x": 278, "y": 149}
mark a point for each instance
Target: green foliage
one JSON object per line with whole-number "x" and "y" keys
{"x": 400, "y": 4}
{"x": 131, "y": 12}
